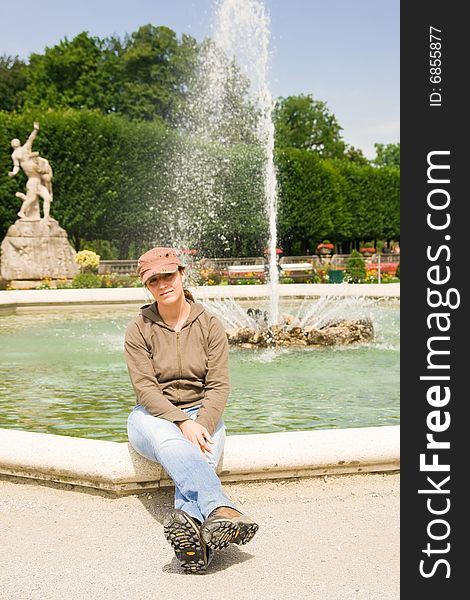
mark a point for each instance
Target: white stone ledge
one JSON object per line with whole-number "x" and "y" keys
{"x": 12, "y": 301}
{"x": 373, "y": 290}
{"x": 117, "y": 468}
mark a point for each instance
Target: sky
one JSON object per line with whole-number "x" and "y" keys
{"x": 343, "y": 52}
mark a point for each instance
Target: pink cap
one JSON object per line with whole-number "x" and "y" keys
{"x": 156, "y": 261}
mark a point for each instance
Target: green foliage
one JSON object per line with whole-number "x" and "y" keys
{"x": 64, "y": 284}
{"x": 86, "y": 280}
{"x": 355, "y": 271}
{"x": 227, "y": 117}
{"x": 387, "y": 155}
{"x": 46, "y": 284}
{"x": 355, "y": 155}
{"x": 112, "y": 280}
{"x": 155, "y": 69}
{"x": 218, "y": 205}
{"x": 397, "y": 272}
{"x": 307, "y": 124}
{"x": 373, "y": 277}
{"x": 145, "y": 76}
{"x": 335, "y": 275}
{"x": 107, "y": 250}
{"x": 372, "y": 199}
{"x": 248, "y": 281}
{"x": 114, "y": 188}
{"x": 12, "y": 82}
{"x": 113, "y": 183}
{"x": 105, "y": 172}
{"x": 312, "y": 204}
{"x": 110, "y": 112}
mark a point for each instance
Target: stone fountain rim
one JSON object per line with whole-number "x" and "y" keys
{"x": 13, "y": 299}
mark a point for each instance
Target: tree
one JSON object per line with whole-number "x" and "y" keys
{"x": 387, "y": 155}
{"x": 155, "y": 69}
{"x": 304, "y": 123}
{"x": 356, "y": 155}
{"x": 12, "y": 82}
{"x": 70, "y": 74}
{"x": 219, "y": 107}
{"x": 144, "y": 77}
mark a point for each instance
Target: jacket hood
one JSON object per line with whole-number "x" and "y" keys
{"x": 150, "y": 311}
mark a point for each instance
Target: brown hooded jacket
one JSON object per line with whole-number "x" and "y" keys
{"x": 174, "y": 370}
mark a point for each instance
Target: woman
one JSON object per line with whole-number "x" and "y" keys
{"x": 177, "y": 357}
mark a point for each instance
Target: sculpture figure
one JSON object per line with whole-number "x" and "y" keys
{"x": 39, "y": 174}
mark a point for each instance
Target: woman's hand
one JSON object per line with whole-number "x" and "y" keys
{"x": 197, "y": 434}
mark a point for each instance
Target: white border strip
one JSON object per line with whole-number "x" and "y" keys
{"x": 116, "y": 467}
{"x": 11, "y": 300}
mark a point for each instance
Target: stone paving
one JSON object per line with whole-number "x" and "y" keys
{"x": 331, "y": 538}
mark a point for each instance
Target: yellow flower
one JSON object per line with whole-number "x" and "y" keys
{"x": 87, "y": 260}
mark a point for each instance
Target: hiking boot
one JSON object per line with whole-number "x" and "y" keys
{"x": 226, "y": 525}
{"x": 183, "y": 533}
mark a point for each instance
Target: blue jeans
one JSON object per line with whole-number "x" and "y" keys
{"x": 198, "y": 490}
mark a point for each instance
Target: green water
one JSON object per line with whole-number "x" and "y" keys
{"x": 64, "y": 373}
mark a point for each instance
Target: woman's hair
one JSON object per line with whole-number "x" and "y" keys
{"x": 187, "y": 293}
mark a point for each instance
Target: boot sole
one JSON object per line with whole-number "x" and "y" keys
{"x": 183, "y": 535}
{"x": 219, "y": 534}
{"x": 247, "y": 532}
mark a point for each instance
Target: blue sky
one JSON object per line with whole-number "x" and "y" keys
{"x": 344, "y": 52}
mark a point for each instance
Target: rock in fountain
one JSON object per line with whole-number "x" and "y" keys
{"x": 318, "y": 322}
{"x": 338, "y": 333}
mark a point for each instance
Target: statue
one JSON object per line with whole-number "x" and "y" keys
{"x": 34, "y": 248}
{"x": 39, "y": 174}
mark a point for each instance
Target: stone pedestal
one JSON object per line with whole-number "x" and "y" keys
{"x": 35, "y": 249}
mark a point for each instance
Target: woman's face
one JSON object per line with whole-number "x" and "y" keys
{"x": 166, "y": 288}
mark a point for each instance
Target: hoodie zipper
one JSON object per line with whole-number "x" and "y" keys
{"x": 179, "y": 365}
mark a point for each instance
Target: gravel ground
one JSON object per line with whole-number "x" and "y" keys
{"x": 331, "y": 538}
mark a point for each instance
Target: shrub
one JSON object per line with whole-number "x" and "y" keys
{"x": 355, "y": 271}
{"x": 112, "y": 280}
{"x": 372, "y": 276}
{"x": 86, "y": 280}
{"x": 64, "y": 284}
{"x": 208, "y": 276}
{"x": 88, "y": 261}
{"x": 397, "y": 272}
{"x": 45, "y": 284}
{"x": 321, "y": 275}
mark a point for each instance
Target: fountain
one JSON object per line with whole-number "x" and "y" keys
{"x": 318, "y": 323}
{"x": 230, "y": 103}
{"x": 85, "y": 391}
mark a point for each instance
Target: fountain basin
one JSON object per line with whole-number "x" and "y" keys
{"x": 76, "y": 383}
